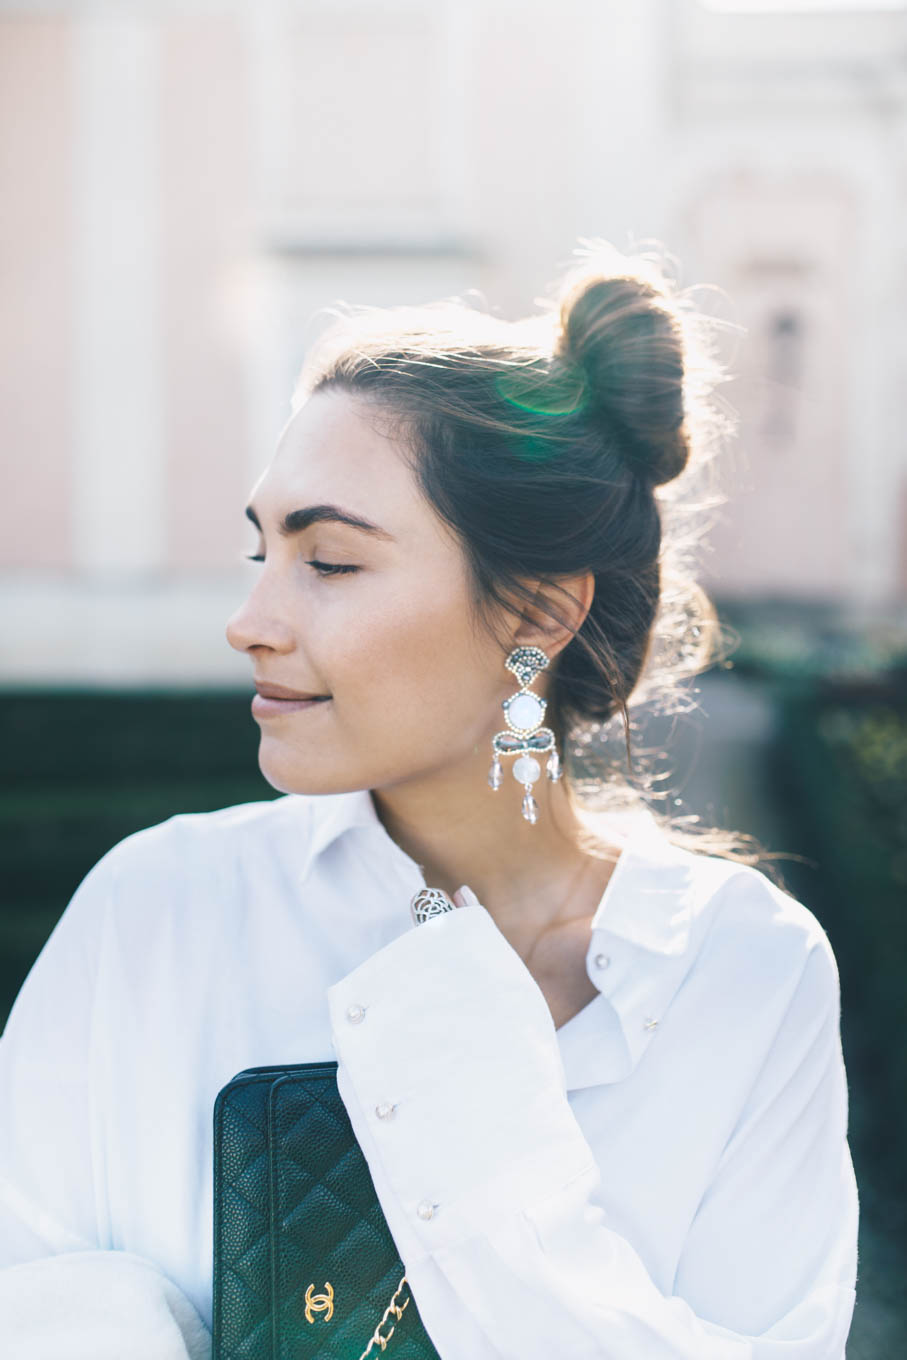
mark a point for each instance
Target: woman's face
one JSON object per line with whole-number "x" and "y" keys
{"x": 411, "y": 685}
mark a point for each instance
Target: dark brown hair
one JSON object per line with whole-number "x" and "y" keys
{"x": 553, "y": 445}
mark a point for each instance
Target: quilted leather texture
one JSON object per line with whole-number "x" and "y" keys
{"x": 295, "y": 1210}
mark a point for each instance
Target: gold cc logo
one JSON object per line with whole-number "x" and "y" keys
{"x": 319, "y": 1303}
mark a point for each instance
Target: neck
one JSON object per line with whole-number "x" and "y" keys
{"x": 461, "y": 832}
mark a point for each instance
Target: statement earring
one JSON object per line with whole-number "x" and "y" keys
{"x": 525, "y": 738}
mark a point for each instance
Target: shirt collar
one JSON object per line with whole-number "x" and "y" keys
{"x": 332, "y": 815}
{"x": 640, "y": 950}
{"x": 645, "y": 935}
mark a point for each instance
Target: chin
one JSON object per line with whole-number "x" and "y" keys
{"x": 288, "y": 772}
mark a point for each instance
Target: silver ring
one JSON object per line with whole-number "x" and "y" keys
{"x": 429, "y": 902}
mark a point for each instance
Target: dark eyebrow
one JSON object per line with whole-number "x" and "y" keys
{"x": 297, "y": 520}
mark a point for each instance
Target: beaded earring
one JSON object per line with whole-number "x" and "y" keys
{"x": 523, "y": 713}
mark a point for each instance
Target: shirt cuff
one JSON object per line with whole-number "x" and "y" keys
{"x": 450, "y": 1069}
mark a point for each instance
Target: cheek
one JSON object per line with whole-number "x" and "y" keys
{"x": 409, "y": 671}
{"x": 416, "y": 688}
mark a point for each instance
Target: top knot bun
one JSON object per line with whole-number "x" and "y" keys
{"x": 620, "y": 327}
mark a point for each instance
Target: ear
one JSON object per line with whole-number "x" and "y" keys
{"x": 570, "y": 600}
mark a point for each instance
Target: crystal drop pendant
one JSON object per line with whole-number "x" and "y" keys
{"x": 554, "y": 766}
{"x": 495, "y": 774}
{"x": 530, "y": 807}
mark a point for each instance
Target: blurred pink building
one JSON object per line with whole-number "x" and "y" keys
{"x": 185, "y": 186}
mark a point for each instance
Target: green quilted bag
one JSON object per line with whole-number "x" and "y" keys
{"x": 304, "y": 1263}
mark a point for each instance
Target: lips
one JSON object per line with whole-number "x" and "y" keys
{"x": 268, "y": 691}
{"x": 271, "y": 701}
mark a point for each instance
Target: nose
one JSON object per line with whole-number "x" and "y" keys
{"x": 257, "y": 623}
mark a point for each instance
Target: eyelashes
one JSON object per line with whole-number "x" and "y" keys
{"x": 322, "y": 568}
{"x": 330, "y": 568}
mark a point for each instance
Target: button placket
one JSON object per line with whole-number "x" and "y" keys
{"x": 386, "y": 1109}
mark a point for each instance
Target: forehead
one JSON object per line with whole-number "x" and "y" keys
{"x": 333, "y": 450}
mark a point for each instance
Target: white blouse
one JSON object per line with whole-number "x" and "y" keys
{"x": 667, "y": 1175}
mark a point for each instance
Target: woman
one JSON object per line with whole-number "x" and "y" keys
{"x": 602, "y": 1097}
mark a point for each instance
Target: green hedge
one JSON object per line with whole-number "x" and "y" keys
{"x": 84, "y": 769}
{"x": 841, "y": 765}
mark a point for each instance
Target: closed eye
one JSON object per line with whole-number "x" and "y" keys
{"x": 329, "y": 568}
{"x": 322, "y": 568}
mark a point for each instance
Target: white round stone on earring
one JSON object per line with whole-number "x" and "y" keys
{"x": 525, "y": 711}
{"x": 526, "y": 770}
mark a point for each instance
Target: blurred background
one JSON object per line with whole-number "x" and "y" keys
{"x": 183, "y": 186}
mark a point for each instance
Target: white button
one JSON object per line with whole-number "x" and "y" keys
{"x": 426, "y": 1209}
{"x": 650, "y": 1023}
{"x": 355, "y": 1014}
{"x": 384, "y": 1110}
{"x": 602, "y": 960}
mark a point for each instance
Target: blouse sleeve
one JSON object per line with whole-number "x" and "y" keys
{"x": 47, "y": 1176}
{"x": 61, "y": 1292}
{"x": 489, "y": 1184}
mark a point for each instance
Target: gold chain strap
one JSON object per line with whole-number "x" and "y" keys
{"x": 392, "y": 1307}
